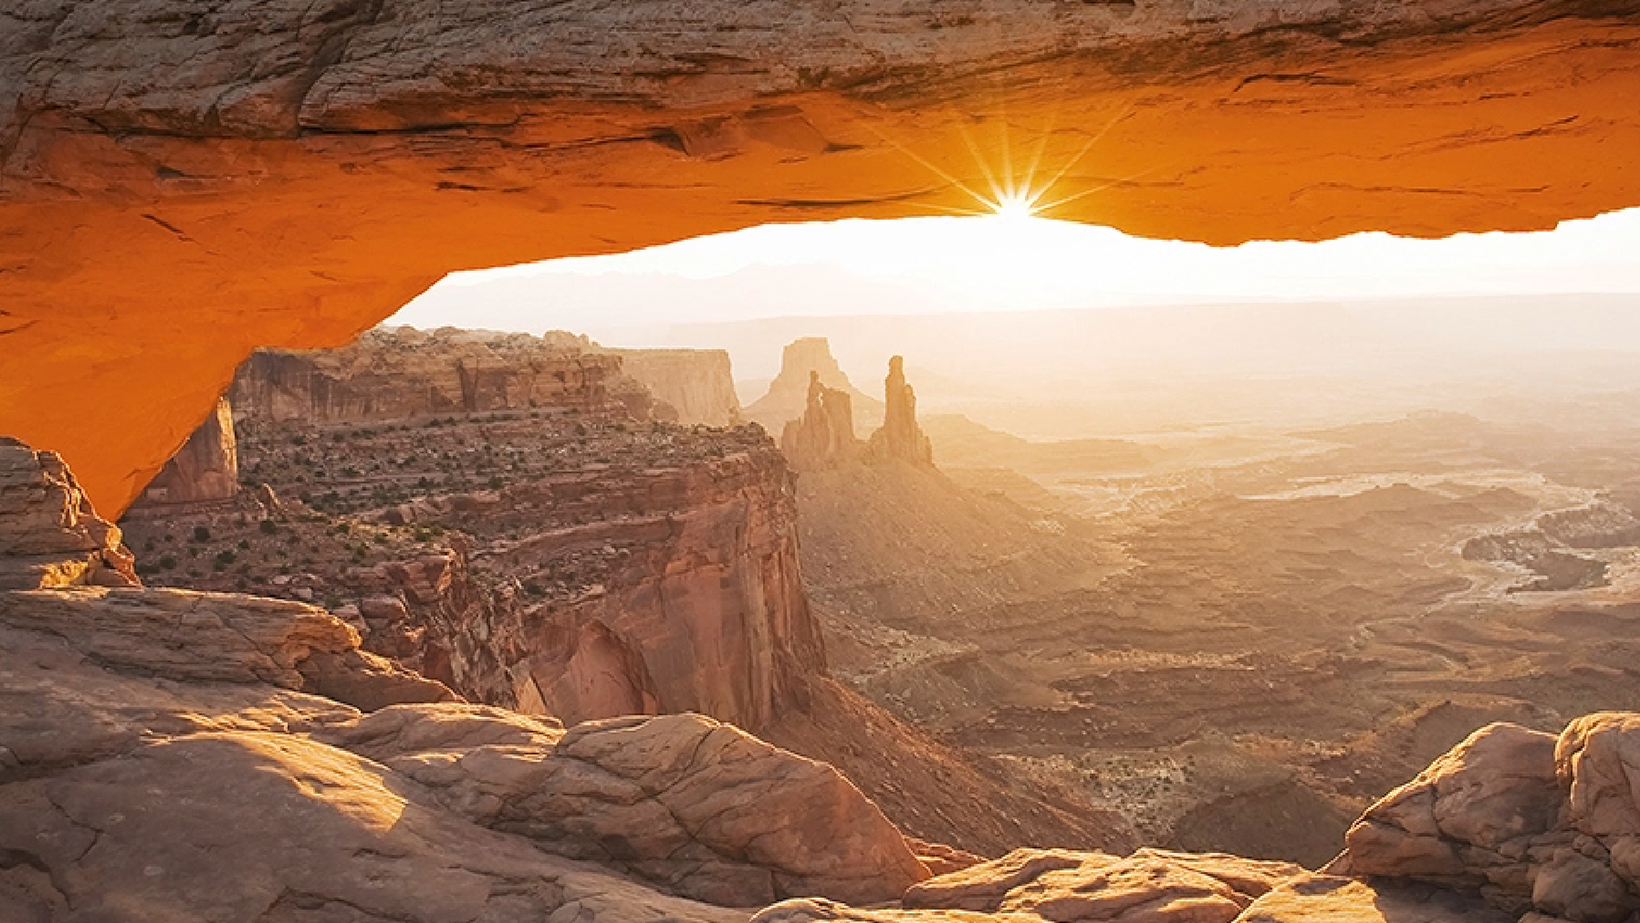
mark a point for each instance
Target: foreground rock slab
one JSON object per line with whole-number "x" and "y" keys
{"x": 1532, "y": 823}
{"x": 1062, "y": 886}
{"x": 1327, "y": 899}
{"x": 698, "y": 807}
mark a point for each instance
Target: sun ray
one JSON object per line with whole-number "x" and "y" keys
{"x": 1098, "y": 136}
{"x": 1097, "y": 189}
{"x": 925, "y": 164}
{"x": 984, "y": 167}
{"x": 1011, "y": 195}
{"x": 1031, "y": 193}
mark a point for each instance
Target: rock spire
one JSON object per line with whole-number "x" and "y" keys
{"x": 900, "y": 437}
{"x": 824, "y": 436}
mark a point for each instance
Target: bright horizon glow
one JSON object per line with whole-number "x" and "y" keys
{"x": 1009, "y": 261}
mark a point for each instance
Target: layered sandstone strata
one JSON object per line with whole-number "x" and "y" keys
{"x": 567, "y": 564}
{"x": 697, "y": 384}
{"x": 49, "y": 534}
{"x": 185, "y": 755}
{"x": 670, "y": 589}
{"x": 399, "y": 372}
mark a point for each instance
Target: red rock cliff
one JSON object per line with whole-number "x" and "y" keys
{"x": 698, "y": 383}
{"x": 206, "y": 468}
{"x": 394, "y": 373}
{"x": 587, "y": 566}
{"x": 678, "y": 590}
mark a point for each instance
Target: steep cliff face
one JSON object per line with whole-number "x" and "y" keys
{"x": 257, "y": 764}
{"x": 395, "y": 373}
{"x": 662, "y": 590}
{"x": 205, "y": 469}
{"x": 572, "y": 564}
{"x": 698, "y": 383}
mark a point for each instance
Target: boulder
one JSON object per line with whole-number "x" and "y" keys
{"x": 187, "y": 636}
{"x": 1332, "y": 899}
{"x": 1065, "y": 886}
{"x": 696, "y": 807}
{"x": 1532, "y": 823}
{"x": 49, "y": 534}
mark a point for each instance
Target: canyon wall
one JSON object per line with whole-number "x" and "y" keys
{"x": 589, "y": 566}
{"x": 697, "y": 383}
{"x": 205, "y": 469}
{"x": 396, "y": 373}
{"x": 667, "y": 590}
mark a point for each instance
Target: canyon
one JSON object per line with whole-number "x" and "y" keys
{"x": 343, "y": 787}
{"x": 462, "y": 627}
{"x": 541, "y": 546}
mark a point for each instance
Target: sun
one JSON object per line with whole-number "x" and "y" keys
{"x": 1014, "y": 207}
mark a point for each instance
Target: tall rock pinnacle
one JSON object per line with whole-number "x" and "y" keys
{"x": 900, "y": 437}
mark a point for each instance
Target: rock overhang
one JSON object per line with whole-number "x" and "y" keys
{"x": 185, "y": 181}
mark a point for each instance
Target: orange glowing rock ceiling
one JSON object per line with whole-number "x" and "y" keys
{"x": 184, "y": 180}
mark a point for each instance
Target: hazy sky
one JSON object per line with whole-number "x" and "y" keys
{"x": 930, "y": 265}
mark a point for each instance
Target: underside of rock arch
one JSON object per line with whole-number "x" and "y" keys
{"x": 184, "y": 180}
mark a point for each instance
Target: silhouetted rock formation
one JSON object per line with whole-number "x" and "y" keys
{"x": 824, "y": 436}
{"x": 49, "y": 534}
{"x": 205, "y": 468}
{"x": 900, "y": 438}
{"x": 788, "y": 395}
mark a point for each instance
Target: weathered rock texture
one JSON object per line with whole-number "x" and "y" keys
{"x": 693, "y": 600}
{"x": 698, "y": 384}
{"x": 1531, "y": 823}
{"x": 205, "y": 468}
{"x": 1034, "y": 885}
{"x": 788, "y": 395}
{"x": 900, "y": 438}
{"x": 167, "y": 754}
{"x": 700, "y": 808}
{"x": 184, "y": 184}
{"x": 156, "y": 734}
{"x": 49, "y": 534}
{"x": 400, "y": 372}
{"x": 593, "y": 568}
{"x": 824, "y": 436}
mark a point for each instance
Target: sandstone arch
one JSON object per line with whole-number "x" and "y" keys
{"x": 183, "y": 180}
